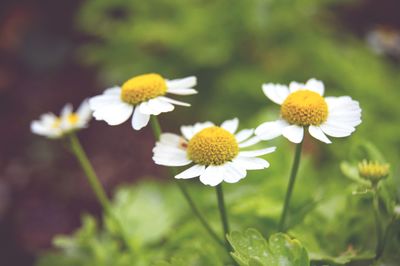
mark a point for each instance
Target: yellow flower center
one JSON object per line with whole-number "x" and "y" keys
{"x": 143, "y": 88}
{"x": 304, "y": 108}
{"x": 73, "y": 118}
{"x": 212, "y": 146}
{"x": 373, "y": 171}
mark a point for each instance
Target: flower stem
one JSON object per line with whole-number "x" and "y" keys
{"x": 94, "y": 182}
{"x": 224, "y": 217}
{"x": 378, "y": 224}
{"x": 293, "y": 174}
{"x": 157, "y": 132}
{"x": 89, "y": 171}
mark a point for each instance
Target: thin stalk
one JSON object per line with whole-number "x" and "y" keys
{"x": 94, "y": 182}
{"x": 157, "y": 132}
{"x": 378, "y": 224}
{"x": 224, "y": 217}
{"x": 292, "y": 179}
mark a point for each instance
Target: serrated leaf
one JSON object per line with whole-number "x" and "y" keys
{"x": 252, "y": 249}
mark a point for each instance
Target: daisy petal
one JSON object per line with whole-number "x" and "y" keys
{"x": 250, "y": 142}
{"x": 170, "y": 139}
{"x": 160, "y": 105}
{"x": 84, "y": 111}
{"x": 182, "y": 91}
{"x": 67, "y": 110}
{"x": 251, "y": 163}
{"x": 233, "y": 173}
{"x": 244, "y": 134}
{"x": 317, "y": 133}
{"x": 270, "y": 130}
{"x": 231, "y": 125}
{"x": 116, "y": 90}
{"x": 184, "y": 83}
{"x": 337, "y": 130}
{"x": 275, "y": 92}
{"x": 256, "y": 153}
{"x": 110, "y": 109}
{"x": 174, "y": 101}
{"x": 195, "y": 170}
{"x": 212, "y": 176}
{"x": 293, "y": 133}
{"x": 315, "y": 86}
{"x": 139, "y": 119}
{"x": 295, "y": 86}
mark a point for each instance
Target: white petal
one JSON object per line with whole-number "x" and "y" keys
{"x": 295, "y": 86}
{"x": 315, "y": 86}
{"x": 232, "y": 172}
{"x": 275, "y": 92}
{"x": 200, "y": 126}
{"x": 184, "y": 83}
{"x": 343, "y": 112}
{"x": 67, "y": 110}
{"x": 189, "y": 131}
{"x": 231, "y": 125}
{"x": 317, "y": 133}
{"x": 244, "y": 134}
{"x": 256, "y": 153}
{"x": 270, "y": 130}
{"x": 139, "y": 120}
{"x": 160, "y": 106}
{"x": 182, "y": 91}
{"x": 195, "y": 170}
{"x": 171, "y": 161}
{"x": 212, "y": 176}
{"x": 84, "y": 112}
{"x": 251, "y": 163}
{"x": 250, "y": 142}
{"x": 110, "y": 109}
{"x": 116, "y": 90}
{"x": 167, "y": 99}
{"x": 337, "y": 130}
{"x": 170, "y": 139}
{"x": 294, "y": 133}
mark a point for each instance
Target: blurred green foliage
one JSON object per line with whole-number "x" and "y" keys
{"x": 233, "y": 47}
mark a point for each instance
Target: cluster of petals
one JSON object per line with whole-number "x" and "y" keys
{"x": 111, "y": 108}
{"x": 53, "y": 126}
{"x": 344, "y": 114}
{"x": 171, "y": 150}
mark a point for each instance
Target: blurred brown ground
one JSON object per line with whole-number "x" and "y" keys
{"x": 42, "y": 189}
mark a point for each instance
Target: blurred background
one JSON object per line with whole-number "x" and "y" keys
{"x": 54, "y": 52}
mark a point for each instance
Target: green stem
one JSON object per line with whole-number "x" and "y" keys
{"x": 94, "y": 182}
{"x": 89, "y": 171}
{"x": 224, "y": 217}
{"x": 378, "y": 224}
{"x": 157, "y": 132}
{"x": 292, "y": 179}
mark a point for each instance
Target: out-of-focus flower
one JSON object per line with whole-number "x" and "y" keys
{"x": 216, "y": 152}
{"x": 52, "y": 126}
{"x": 384, "y": 40}
{"x": 303, "y": 106}
{"x": 141, "y": 96}
{"x": 373, "y": 171}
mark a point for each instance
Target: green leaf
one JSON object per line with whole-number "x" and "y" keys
{"x": 252, "y": 249}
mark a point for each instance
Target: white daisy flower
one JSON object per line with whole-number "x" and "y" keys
{"x": 303, "y": 106}
{"x": 52, "y": 126}
{"x": 215, "y": 151}
{"x": 141, "y": 96}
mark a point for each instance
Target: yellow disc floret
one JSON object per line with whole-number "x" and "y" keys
{"x": 143, "y": 88}
{"x": 73, "y": 118}
{"x": 304, "y": 108}
{"x": 373, "y": 171}
{"x": 212, "y": 146}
